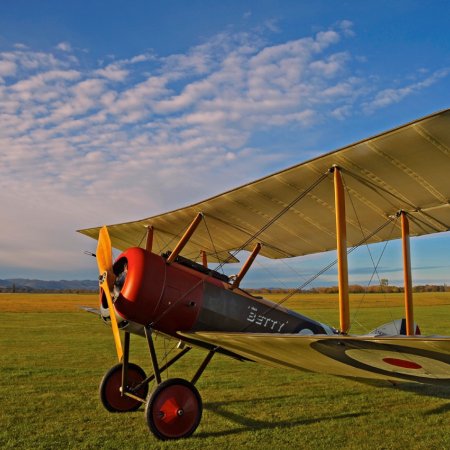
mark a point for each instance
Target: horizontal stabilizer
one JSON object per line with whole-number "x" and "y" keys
{"x": 394, "y": 328}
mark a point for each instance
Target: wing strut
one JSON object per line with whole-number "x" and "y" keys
{"x": 246, "y": 266}
{"x": 341, "y": 242}
{"x": 185, "y": 238}
{"x": 204, "y": 258}
{"x": 407, "y": 275}
{"x": 149, "y": 241}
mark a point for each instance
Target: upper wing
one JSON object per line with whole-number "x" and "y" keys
{"x": 407, "y": 168}
{"x": 419, "y": 359}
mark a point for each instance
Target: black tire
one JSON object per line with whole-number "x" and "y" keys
{"x": 174, "y": 409}
{"x": 111, "y": 383}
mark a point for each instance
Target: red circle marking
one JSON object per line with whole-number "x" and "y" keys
{"x": 402, "y": 363}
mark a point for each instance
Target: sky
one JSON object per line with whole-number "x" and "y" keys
{"x": 114, "y": 111}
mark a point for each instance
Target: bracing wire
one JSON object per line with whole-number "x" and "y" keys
{"x": 358, "y": 307}
{"x": 253, "y": 237}
{"x": 326, "y": 268}
{"x": 273, "y": 219}
{"x": 144, "y": 235}
{"x": 216, "y": 254}
{"x": 375, "y": 266}
{"x": 375, "y": 271}
{"x": 377, "y": 188}
{"x": 357, "y": 245}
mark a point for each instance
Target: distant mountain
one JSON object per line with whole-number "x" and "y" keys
{"x": 27, "y": 285}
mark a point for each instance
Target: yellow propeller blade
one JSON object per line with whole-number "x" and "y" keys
{"x": 104, "y": 251}
{"x": 104, "y": 262}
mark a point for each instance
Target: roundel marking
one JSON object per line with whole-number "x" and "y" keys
{"x": 408, "y": 363}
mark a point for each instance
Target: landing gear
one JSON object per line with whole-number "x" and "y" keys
{"x": 111, "y": 385}
{"x": 174, "y": 409}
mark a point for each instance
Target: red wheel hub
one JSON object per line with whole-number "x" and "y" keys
{"x": 176, "y": 411}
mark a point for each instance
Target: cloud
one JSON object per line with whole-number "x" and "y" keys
{"x": 64, "y": 46}
{"x": 34, "y": 83}
{"x": 391, "y": 96}
{"x": 7, "y": 68}
{"x": 346, "y": 27}
{"x": 82, "y": 145}
{"x": 113, "y": 72}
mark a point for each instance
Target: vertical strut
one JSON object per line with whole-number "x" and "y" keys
{"x": 164, "y": 367}
{"x": 149, "y": 242}
{"x": 202, "y": 368}
{"x": 204, "y": 258}
{"x": 151, "y": 346}
{"x": 185, "y": 238}
{"x": 246, "y": 266}
{"x": 126, "y": 353}
{"x": 409, "y": 310}
{"x": 341, "y": 247}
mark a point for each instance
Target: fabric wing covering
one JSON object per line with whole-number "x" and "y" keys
{"x": 407, "y": 168}
{"x": 423, "y": 360}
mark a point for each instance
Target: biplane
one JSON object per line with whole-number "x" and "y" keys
{"x": 163, "y": 283}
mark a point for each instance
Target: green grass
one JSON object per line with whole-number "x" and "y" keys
{"x": 51, "y": 363}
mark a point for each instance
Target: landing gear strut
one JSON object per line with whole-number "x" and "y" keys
{"x": 173, "y": 410}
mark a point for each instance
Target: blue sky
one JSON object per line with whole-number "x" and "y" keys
{"x": 114, "y": 111}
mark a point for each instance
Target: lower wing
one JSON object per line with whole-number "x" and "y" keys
{"x": 420, "y": 359}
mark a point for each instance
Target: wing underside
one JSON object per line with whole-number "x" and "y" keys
{"x": 403, "y": 169}
{"x": 400, "y": 358}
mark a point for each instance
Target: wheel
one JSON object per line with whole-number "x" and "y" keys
{"x": 111, "y": 383}
{"x": 174, "y": 409}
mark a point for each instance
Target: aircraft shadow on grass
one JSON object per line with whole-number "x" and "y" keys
{"x": 426, "y": 390}
{"x": 248, "y": 424}
{"x": 429, "y": 391}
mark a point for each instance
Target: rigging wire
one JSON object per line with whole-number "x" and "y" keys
{"x": 142, "y": 239}
{"x": 274, "y": 276}
{"x": 357, "y": 245}
{"x": 282, "y": 283}
{"x": 174, "y": 236}
{"x": 175, "y": 302}
{"x": 394, "y": 224}
{"x": 254, "y": 236}
{"x": 375, "y": 271}
{"x": 326, "y": 268}
{"x": 421, "y": 223}
{"x": 274, "y": 219}
{"x": 375, "y": 187}
{"x": 211, "y": 239}
{"x": 167, "y": 352}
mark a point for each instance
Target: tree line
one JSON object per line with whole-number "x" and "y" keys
{"x": 356, "y": 289}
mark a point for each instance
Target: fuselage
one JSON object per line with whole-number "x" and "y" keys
{"x": 184, "y": 296}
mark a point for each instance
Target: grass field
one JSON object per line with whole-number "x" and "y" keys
{"x": 53, "y": 357}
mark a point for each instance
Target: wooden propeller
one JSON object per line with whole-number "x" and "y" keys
{"x": 107, "y": 277}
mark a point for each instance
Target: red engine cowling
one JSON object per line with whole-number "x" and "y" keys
{"x": 155, "y": 293}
